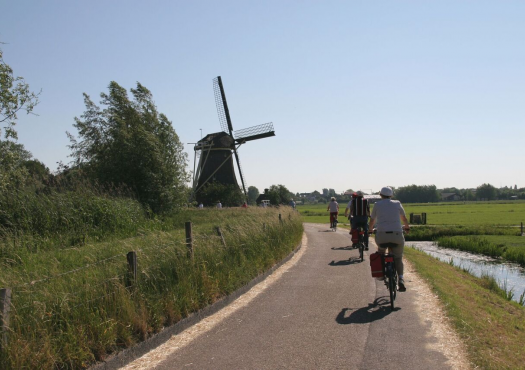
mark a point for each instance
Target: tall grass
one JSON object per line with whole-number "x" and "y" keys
{"x": 482, "y": 245}
{"x": 41, "y": 219}
{"x": 432, "y": 233}
{"x": 70, "y": 320}
{"x": 474, "y": 244}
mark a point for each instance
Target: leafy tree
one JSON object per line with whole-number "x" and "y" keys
{"x": 253, "y": 193}
{"x": 130, "y": 143}
{"x": 14, "y": 97}
{"x": 279, "y": 194}
{"x": 417, "y": 194}
{"x": 37, "y": 169}
{"x": 229, "y": 195}
{"x": 486, "y": 191}
{"x": 469, "y": 195}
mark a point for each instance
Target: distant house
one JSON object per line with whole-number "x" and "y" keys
{"x": 449, "y": 197}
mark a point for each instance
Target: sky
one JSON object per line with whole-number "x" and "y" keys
{"x": 362, "y": 94}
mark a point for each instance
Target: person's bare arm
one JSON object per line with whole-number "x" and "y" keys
{"x": 371, "y": 224}
{"x": 405, "y": 222}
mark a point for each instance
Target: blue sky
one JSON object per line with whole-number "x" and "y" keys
{"x": 362, "y": 94}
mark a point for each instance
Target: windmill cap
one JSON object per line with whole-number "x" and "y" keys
{"x": 386, "y": 191}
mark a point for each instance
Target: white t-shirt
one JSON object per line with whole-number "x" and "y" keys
{"x": 387, "y": 213}
{"x": 334, "y": 206}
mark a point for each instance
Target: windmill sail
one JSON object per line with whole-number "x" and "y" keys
{"x": 222, "y": 106}
{"x": 254, "y": 132}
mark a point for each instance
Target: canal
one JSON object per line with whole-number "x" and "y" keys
{"x": 509, "y": 275}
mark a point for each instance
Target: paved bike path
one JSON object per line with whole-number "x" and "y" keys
{"x": 325, "y": 312}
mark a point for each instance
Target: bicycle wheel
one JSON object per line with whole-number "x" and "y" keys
{"x": 391, "y": 287}
{"x": 361, "y": 251}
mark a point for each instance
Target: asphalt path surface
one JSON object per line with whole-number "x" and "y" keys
{"x": 325, "y": 312}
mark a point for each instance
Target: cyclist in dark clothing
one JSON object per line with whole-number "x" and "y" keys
{"x": 359, "y": 210}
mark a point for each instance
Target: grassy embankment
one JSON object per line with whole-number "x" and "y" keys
{"x": 491, "y": 325}
{"x": 72, "y": 301}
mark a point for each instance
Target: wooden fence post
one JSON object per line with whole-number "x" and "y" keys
{"x": 424, "y": 217}
{"x": 132, "y": 268}
{"x": 280, "y": 218}
{"x": 522, "y": 229}
{"x": 219, "y": 232}
{"x": 189, "y": 238}
{"x": 5, "y": 305}
{"x": 411, "y": 218}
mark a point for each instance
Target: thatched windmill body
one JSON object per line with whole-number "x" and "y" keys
{"x": 216, "y": 151}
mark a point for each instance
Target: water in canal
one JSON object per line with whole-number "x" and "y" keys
{"x": 507, "y": 273}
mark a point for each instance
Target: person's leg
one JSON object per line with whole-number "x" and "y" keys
{"x": 363, "y": 222}
{"x": 397, "y": 251}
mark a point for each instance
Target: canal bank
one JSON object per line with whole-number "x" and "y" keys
{"x": 492, "y": 328}
{"x": 509, "y": 276}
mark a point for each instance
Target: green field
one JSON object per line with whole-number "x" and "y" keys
{"x": 510, "y": 213}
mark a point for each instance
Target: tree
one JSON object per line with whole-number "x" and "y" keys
{"x": 486, "y": 192}
{"x": 417, "y": 194}
{"x": 130, "y": 143}
{"x": 468, "y": 195}
{"x": 279, "y": 194}
{"x": 14, "y": 97}
{"x": 253, "y": 193}
{"x": 229, "y": 195}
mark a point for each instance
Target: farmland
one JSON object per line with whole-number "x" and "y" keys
{"x": 510, "y": 213}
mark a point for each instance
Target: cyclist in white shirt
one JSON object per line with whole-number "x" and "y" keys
{"x": 333, "y": 207}
{"x": 386, "y": 216}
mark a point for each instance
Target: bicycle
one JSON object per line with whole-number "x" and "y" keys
{"x": 361, "y": 245}
{"x": 390, "y": 273}
{"x": 333, "y": 223}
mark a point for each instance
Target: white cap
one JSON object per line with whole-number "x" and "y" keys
{"x": 386, "y": 191}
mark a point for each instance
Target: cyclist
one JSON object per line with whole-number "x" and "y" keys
{"x": 387, "y": 214}
{"x": 359, "y": 211}
{"x": 333, "y": 207}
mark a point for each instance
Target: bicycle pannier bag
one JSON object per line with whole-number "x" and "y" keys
{"x": 355, "y": 236}
{"x": 376, "y": 264}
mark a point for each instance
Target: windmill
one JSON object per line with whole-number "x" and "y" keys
{"x": 216, "y": 151}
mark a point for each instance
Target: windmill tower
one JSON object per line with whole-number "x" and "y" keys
{"x": 216, "y": 151}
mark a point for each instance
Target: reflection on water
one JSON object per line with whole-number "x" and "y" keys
{"x": 507, "y": 273}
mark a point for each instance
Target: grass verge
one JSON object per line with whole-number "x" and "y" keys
{"x": 74, "y": 306}
{"x": 492, "y": 327}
